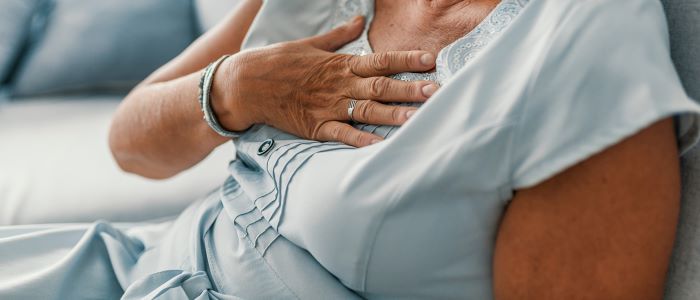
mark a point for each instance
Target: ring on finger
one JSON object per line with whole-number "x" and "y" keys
{"x": 351, "y": 108}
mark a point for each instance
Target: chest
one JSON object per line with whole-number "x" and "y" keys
{"x": 420, "y": 25}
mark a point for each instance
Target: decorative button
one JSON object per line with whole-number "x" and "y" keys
{"x": 266, "y": 146}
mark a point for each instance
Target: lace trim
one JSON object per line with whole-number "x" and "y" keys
{"x": 456, "y": 55}
{"x": 346, "y": 10}
{"x": 451, "y": 58}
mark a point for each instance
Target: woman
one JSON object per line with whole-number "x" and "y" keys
{"x": 546, "y": 166}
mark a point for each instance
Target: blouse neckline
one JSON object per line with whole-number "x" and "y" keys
{"x": 455, "y": 55}
{"x": 370, "y": 18}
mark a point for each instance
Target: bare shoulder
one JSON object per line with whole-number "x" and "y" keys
{"x": 601, "y": 229}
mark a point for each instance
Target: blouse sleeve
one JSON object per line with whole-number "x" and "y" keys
{"x": 607, "y": 75}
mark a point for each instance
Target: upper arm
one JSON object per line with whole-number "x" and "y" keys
{"x": 225, "y": 38}
{"x": 603, "y": 229}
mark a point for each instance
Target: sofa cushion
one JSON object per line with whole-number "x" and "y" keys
{"x": 56, "y": 166}
{"x": 684, "y": 24}
{"x": 684, "y": 274}
{"x": 15, "y": 16}
{"x": 106, "y": 45}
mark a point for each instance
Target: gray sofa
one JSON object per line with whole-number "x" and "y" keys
{"x": 684, "y": 274}
{"x": 55, "y": 163}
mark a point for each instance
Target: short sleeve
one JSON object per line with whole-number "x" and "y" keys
{"x": 607, "y": 75}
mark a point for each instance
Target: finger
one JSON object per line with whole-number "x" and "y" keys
{"x": 375, "y": 113}
{"x": 385, "y": 89}
{"x": 336, "y": 38}
{"x": 394, "y": 62}
{"x": 334, "y": 131}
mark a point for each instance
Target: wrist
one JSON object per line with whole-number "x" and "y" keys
{"x": 225, "y": 99}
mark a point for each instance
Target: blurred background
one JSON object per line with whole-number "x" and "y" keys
{"x": 64, "y": 67}
{"x": 66, "y": 64}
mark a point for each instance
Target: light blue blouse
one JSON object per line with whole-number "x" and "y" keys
{"x": 536, "y": 88}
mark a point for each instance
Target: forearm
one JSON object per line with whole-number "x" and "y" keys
{"x": 158, "y": 131}
{"x": 300, "y": 87}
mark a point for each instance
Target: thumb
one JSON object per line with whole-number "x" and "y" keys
{"x": 336, "y": 38}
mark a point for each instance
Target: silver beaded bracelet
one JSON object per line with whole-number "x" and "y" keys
{"x": 205, "y": 84}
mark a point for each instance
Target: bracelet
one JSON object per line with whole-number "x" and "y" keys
{"x": 205, "y": 85}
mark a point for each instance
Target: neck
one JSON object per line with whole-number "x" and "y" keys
{"x": 433, "y": 23}
{"x": 441, "y": 7}
{"x": 429, "y": 13}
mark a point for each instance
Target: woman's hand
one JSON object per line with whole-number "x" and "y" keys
{"x": 299, "y": 87}
{"x": 303, "y": 88}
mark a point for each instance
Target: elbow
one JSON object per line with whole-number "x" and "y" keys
{"x": 128, "y": 164}
{"x": 131, "y": 160}
{"x": 128, "y": 150}
{"x": 122, "y": 154}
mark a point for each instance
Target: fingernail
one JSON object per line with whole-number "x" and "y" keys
{"x": 429, "y": 90}
{"x": 427, "y": 59}
{"x": 410, "y": 114}
{"x": 374, "y": 142}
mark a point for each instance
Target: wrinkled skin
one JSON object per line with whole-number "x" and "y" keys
{"x": 308, "y": 90}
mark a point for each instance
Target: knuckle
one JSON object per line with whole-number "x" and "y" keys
{"x": 349, "y": 62}
{"x": 396, "y": 113}
{"x": 286, "y": 46}
{"x": 316, "y": 133}
{"x": 380, "y": 62}
{"x": 335, "y": 133}
{"x": 366, "y": 111}
{"x": 377, "y": 86}
{"x": 359, "y": 137}
{"x": 346, "y": 136}
{"x": 407, "y": 60}
{"x": 407, "y": 89}
{"x": 414, "y": 90}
